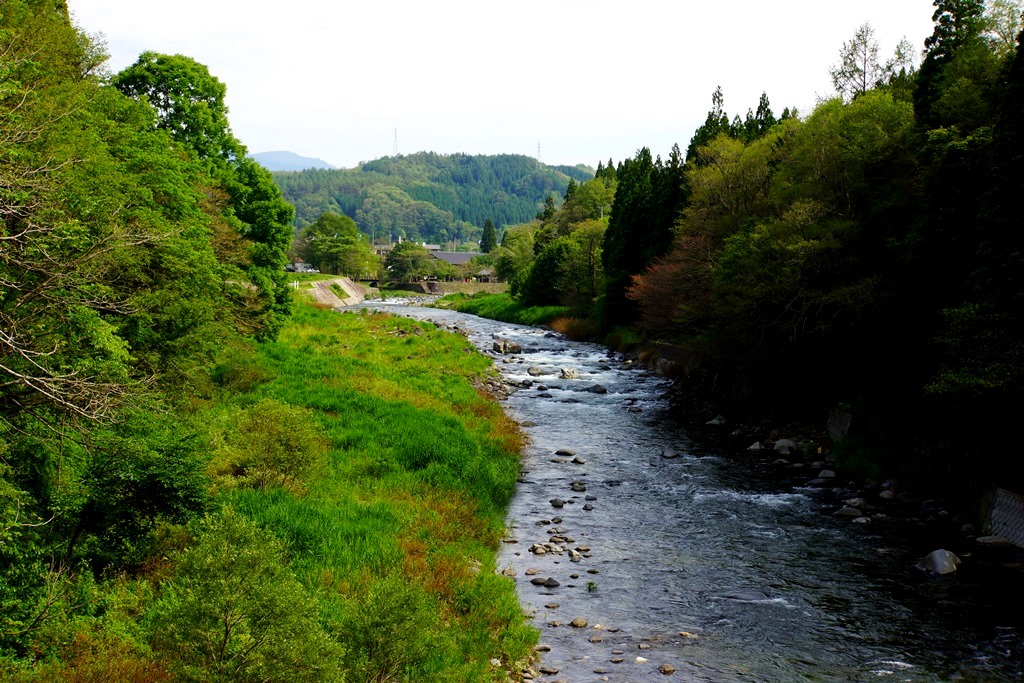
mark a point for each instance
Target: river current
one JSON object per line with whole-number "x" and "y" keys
{"x": 705, "y": 564}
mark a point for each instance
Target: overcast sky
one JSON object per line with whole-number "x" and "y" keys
{"x": 583, "y": 79}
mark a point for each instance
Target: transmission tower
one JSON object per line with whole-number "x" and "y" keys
{"x": 538, "y": 151}
{"x": 394, "y": 149}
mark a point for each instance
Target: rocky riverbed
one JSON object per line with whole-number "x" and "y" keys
{"x": 645, "y": 549}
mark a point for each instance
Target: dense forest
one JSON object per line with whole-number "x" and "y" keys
{"x": 429, "y": 197}
{"x": 866, "y": 256}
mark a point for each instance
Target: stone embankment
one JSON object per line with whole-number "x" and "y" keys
{"x": 324, "y": 292}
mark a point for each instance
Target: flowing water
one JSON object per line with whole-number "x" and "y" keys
{"x": 708, "y": 561}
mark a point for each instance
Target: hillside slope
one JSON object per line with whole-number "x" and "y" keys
{"x": 430, "y": 197}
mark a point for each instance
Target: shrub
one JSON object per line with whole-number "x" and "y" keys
{"x": 273, "y": 444}
{"x": 235, "y": 611}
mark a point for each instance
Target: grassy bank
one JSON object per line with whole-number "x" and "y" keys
{"x": 507, "y": 309}
{"x": 358, "y": 486}
{"x": 400, "y": 537}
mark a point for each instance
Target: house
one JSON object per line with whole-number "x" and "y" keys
{"x": 456, "y": 258}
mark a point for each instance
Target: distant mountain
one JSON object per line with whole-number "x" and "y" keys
{"x": 288, "y": 161}
{"x": 430, "y": 197}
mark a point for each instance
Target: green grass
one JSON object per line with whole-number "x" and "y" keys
{"x": 422, "y": 471}
{"x": 503, "y": 307}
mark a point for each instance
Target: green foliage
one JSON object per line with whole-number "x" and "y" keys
{"x": 141, "y": 472}
{"x": 334, "y": 244}
{"x": 235, "y": 611}
{"x": 649, "y": 196}
{"x": 429, "y": 197}
{"x": 489, "y": 240}
{"x": 272, "y": 444}
{"x": 384, "y": 630}
{"x": 187, "y": 100}
{"x": 407, "y": 261}
{"x": 504, "y": 307}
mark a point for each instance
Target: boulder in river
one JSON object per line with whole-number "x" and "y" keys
{"x": 570, "y": 373}
{"x": 535, "y": 371}
{"x": 939, "y": 562}
{"x": 598, "y": 389}
{"x": 506, "y": 346}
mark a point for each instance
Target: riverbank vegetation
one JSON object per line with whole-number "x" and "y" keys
{"x": 195, "y": 484}
{"x": 864, "y": 255}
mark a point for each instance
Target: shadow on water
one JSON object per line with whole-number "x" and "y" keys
{"x": 692, "y": 558}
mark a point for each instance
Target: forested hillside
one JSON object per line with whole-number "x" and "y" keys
{"x": 865, "y": 256}
{"x": 428, "y": 197}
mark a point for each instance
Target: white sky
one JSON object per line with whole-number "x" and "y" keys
{"x": 584, "y": 79}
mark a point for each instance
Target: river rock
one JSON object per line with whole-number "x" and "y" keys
{"x": 669, "y": 453}
{"x": 784, "y": 446}
{"x": 588, "y": 507}
{"x": 578, "y": 486}
{"x": 578, "y": 461}
{"x": 534, "y": 371}
{"x": 994, "y": 541}
{"x": 598, "y": 389}
{"x": 532, "y": 571}
{"x": 506, "y": 346}
{"x": 538, "y": 581}
{"x": 887, "y": 495}
{"x": 826, "y": 474}
{"x": 848, "y": 512}
{"x": 756, "y": 446}
{"x": 747, "y": 596}
{"x": 565, "y": 451}
{"x": 570, "y": 373}
{"x": 552, "y": 583}
{"x": 578, "y": 622}
{"x": 716, "y": 421}
{"x": 939, "y": 562}
{"x": 667, "y": 669}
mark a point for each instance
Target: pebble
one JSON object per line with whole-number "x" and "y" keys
{"x": 532, "y": 571}
{"x": 551, "y": 605}
{"x": 667, "y": 669}
{"x": 578, "y": 622}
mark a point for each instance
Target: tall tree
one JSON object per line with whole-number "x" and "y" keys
{"x": 958, "y": 23}
{"x": 489, "y": 240}
{"x": 648, "y": 200}
{"x": 716, "y": 123}
{"x": 188, "y": 103}
{"x": 187, "y": 100}
{"x": 858, "y": 69}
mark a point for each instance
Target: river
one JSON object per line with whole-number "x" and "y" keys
{"x": 708, "y": 564}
